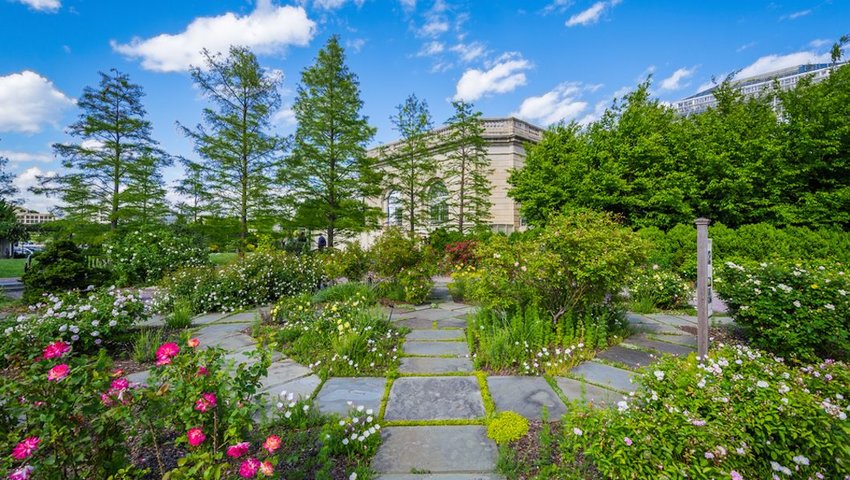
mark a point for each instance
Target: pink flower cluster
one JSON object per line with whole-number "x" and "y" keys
{"x": 206, "y": 402}
{"x": 25, "y": 448}
{"x": 166, "y": 352}
{"x": 55, "y": 350}
{"x": 251, "y": 466}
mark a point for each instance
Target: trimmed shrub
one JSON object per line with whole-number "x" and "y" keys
{"x": 506, "y": 427}
{"x": 62, "y": 266}
{"x": 144, "y": 256}
{"x": 654, "y": 288}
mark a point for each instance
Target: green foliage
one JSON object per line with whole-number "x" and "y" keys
{"x": 240, "y": 154}
{"x": 258, "y": 279}
{"x": 338, "y": 338}
{"x": 738, "y": 163}
{"x": 506, "y": 427}
{"x": 83, "y": 319}
{"x": 145, "y": 343}
{"x": 143, "y": 256}
{"x": 405, "y": 265}
{"x": 180, "y": 317}
{"x": 655, "y": 288}
{"x": 60, "y": 267}
{"x": 329, "y": 170}
{"x": 802, "y": 312}
{"x": 10, "y": 229}
{"x": 741, "y": 411}
{"x": 119, "y": 177}
{"x": 351, "y": 262}
{"x": 345, "y": 291}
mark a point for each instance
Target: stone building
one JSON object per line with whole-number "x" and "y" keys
{"x": 506, "y": 139}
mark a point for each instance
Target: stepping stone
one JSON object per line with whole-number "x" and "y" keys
{"x": 241, "y": 356}
{"x": 434, "y": 365}
{"x": 139, "y": 377}
{"x": 587, "y": 393}
{"x": 526, "y": 396}
{"x": 231, "y": 343}
{"x": 637, "y": 319}
{"x": 208, "y": 318}
{"x": 220, "y": 330}
{"x": 674, "y": 320}
{"x": 454, "y": 322}
{"x": 337, "y": 392}
{"x": 434, "y": 398}
{"x": 153, "y": 321}
{"x": 282, "y": 372}
{"x": 685, "y": 340}
{"x": 659, "y": 328}
{"x": 436, "y": 348}
{"x": 428, "y": 314}
{"x": 447, "y": 449}
{"x": 627, "y": 356}
{"x": 723, "y": 320}
{"x": 244, "y": 317}
{"x": 416, "y": 323}
{"x": 605, "y": 375}
{"x": 663, "y": 347}
{"x": 441, "y": 476}
{"x": 436, "y": 335}
{"x": 303, "y": 389}
{"x": 452, "y": 305}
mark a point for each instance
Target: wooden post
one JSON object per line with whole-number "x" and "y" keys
{"x": 702, "y": 287}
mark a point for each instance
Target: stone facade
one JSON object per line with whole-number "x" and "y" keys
{"x": 506, "y": 139}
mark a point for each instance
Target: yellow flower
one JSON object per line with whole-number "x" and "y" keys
{"x": 814, "y": 285}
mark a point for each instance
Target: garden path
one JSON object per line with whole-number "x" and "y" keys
{"x": 433, "y": 411}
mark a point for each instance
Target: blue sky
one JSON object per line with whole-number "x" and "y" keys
{"x": 543, "y": 61}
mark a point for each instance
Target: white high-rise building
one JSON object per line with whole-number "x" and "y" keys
{"x": 788, "y": 78}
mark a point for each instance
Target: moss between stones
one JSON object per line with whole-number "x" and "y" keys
{"x": 489, "y": 406}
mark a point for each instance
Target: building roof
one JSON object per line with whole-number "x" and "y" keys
{"x": 769, "y": 76}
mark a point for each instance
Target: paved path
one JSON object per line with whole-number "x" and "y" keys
{"x": 434, "y": 413}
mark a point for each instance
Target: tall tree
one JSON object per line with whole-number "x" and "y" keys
{"x": 145, "y": 193}
{"x": 467, "y": 168}
{"x": 330, "y": 173}
{"x": 241, "y": 155}
{"x": 411, "y": 165}
{"x": 191, "y": 187}
{"x": 7, "y": 185}
{"x": 114, "y": 138}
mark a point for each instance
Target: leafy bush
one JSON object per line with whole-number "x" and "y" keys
{"x": 459, "y": 286}
{"x": 461, "y": 254}
{"x": 792, "y": 310}
{"x": 345, "y": 291}
{"x": 66, "y": 424}
{"x": 62, "y": 266}
{"x": 741, "y": 414}
{"x": 144, "y": 256}
{"x": 405, "y": 266}
{"x": 351, "y": 262}
{"x": 145, "y": 343}
{"x": 506, "y": 427}
{"x": 657, "y": 288}
{"x": 578, "y": 260}
{"x": 342, "y": 338}
{"x": 180, "y": 317}
{"x": 258, "y": 279}
{"x": 83, "y": 319}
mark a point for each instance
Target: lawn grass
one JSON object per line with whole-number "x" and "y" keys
{"x": 223, "y": 258}
{"x": 12, "y": 267}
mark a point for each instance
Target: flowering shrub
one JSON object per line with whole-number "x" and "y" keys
{"x": 64, "y": 416}
{"x": 351, "y": 262}
{"x": 82, "y": 319}
{"x": 349, "y": 337}
{"x": 461, "y": 254}
{"x": 796, "y": 311}
{"x": 260, "y": 278}
{"x": 742, "y": 414}
{"x": 62, "y": 266}
{"x": 656, "y": 288}
{"x": 404, "y": 265}
{"x": 144, "y": 256}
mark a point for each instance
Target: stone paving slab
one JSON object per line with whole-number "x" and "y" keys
{"x": 684, "y": 340}
{"x": 208, "y": 318}
{"x": 415, "y": 323}
{"x": 434, "y": 398}
{"x": 605, "y": 375}
{"x": 454, "y": 322}
{"x": 637, "y": 318}
{"x": 676, "y": 321}
{"x": 659, "y": 328}
{"x": 446, "y": 449}
{"x": 241, "y": 356}
{"x": 303, "y": 388}
{"x": 139, "y": 377}
{"x": 231, "y": 343}
{"x": 629, "y": 357}
{"x": 436, "y": 335}
{"x": 436, "y": 348}
{"x": 428, "y": 314}
{"x": 663, "y": 347}
{"x": 220, "y": 330}
{"x": 526, "y": 396}
{"x": 452, "y": 305}
{"x": 337, "y": 392}
{"x": 243, "y": 317}
{"x": 153, "y": 321}
{"x": 441, "y": 476}
{"x": 282, "y": 372}
{"x": 434, "y": 365}
{"x": 587, "y": 393}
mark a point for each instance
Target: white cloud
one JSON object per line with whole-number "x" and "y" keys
{"x": 431, "y": 48}
{"x": 675, "y": 81}
{"x": 436, "y": 21}
{"x": 796, "y": 15}
{"x": 561, "y": 103}
{"x": 408, "y": 5}
{"x": 819, "y": 42}
{"x": 504, "y": 76}
{"x": 355, "y": 45}
{"x": 334, "y": 4}
{"x": 592, "y": 14}
{"x": 469, "y": 51}
{"x": 746, "y": 46}
{"x": 770, "y": 63}
{"x": 28, "y": 179}
{"x": 268, "y": 29}
{"x": 28, "y": 100}
{"x": 710, "y": 84}
{"x": 284, "y": 116}
{"x": 42, "y": 5}
{"x": 26, "y": 157}
{"x": 557, "y": 6}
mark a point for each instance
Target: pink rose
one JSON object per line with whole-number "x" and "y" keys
{"x": 272, "y": 443}
{"x": 24, "y": 449}
{"x": 56, "y": 349}
{"x": 120, "y": 384}
{"x": 266, "y": 468}
{"x": 58, "y": 372}
{"x": 206, "y": 402}
{"x": 249, "y": 468}
{"x": 22, "y": 473}
{"x": 195, "y": 436}
{"x": 236, "y": 451}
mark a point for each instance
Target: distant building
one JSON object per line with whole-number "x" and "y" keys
{"x": 506, "y": 139}
{"x": 31, "y": 217}
{"x": 788, "y": 78}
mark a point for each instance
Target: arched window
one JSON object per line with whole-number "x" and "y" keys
{"x": 394, "y": 209}
{"x": 438, "y": 201}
